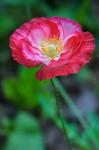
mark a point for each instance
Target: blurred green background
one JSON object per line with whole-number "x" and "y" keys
{"x": 28, "y": 116}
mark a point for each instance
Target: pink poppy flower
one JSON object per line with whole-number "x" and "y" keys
{"x": 59, "y": 44}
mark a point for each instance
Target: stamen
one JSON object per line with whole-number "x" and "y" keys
{"x": 52, "y": 48}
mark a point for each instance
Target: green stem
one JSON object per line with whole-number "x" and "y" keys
{"x": 69, "y": 102}
{"x": 61, "y": 117}
{"x": 73, "y": 107}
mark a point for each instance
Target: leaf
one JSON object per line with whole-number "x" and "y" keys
{"x": 19, "y": 141}
{"x": 26, "y": 123}
{"x": 24, "y": 89}
{"x": 48, "y": 106}
{"x": 26, "y": 134}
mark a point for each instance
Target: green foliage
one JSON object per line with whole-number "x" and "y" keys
{"x": 82, "y": 138}
{"x": 26, "y": 134}
{"x": 15, "y": 89}
{"x": 6, "y": 24}
{"x": 84, "y": 75}
{"x": 94, "y": 121}
{"x": 83, "y": 11}
{"x": 25, "y": 89}
{"x": 18, "y": 2}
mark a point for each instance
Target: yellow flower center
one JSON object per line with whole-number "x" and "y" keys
{"x": 52, "y": 48}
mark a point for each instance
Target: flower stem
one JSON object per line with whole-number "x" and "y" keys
{"x": 60, "y": 114}
{"x": 74, "y": 109}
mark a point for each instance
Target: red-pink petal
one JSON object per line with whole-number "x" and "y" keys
{"x": 43, "y": 29}
{"x": 38, "y": 33}
{"x": 64, "y": 70}
{"x": 72, "y": 43}
{"x": 86, "y": 50}
{"x": 89, "y": 42}
{"x": 68, "y": 26}
{"x": 19, "y": 56}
